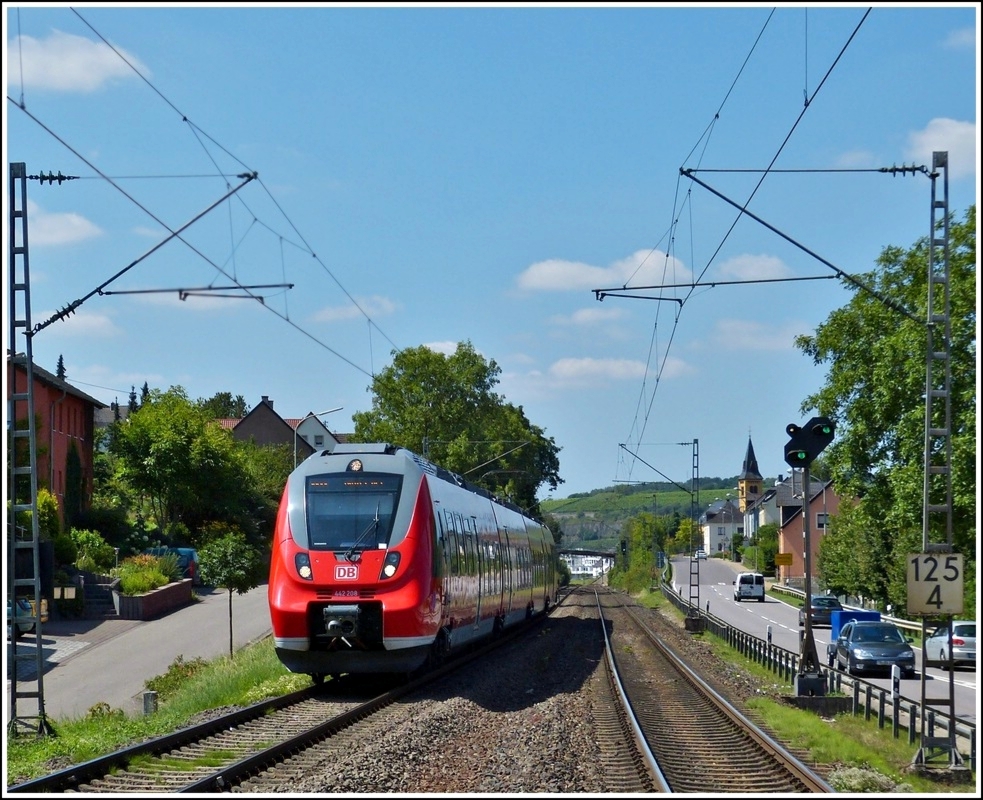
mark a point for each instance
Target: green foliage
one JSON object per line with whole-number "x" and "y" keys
{"x": 74, "y": 485}
{"x": 230, "y": 563}
{"x": 65, "y": 550}
{"x": 143, "y": 573}
{"x": 864, "y": 779}
{"x": 444, "y": 408}
{"x": 177, "y": 675}
{"x": 94, "y": 555}
{"x": 186, "y": 466}
{"x": 874, "y": 390}
{"x": 222, "y": 405}
{"x": 49, "y": 516}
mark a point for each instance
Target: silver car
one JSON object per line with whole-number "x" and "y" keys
{"x": 963, "y": 644}
{"x": 24, "y": 622}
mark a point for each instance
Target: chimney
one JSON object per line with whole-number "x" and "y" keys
{"x": 267, "y": 400}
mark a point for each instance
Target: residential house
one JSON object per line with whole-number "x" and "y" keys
{"x": 822, "y": 504}
{"x": 264, "y": 426}
{"x": 64, "y": 416}
{"x": 719, "y": 524}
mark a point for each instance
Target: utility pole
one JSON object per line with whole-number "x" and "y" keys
{"x": 801, "y": 450}
{"x": 22, "y": 543}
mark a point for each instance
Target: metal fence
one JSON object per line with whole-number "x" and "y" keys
{"x": 868, "y": 698}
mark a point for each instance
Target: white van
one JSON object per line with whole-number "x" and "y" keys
{"x": 750, "y": 586}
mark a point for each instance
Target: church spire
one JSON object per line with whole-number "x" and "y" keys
{"x": 749, "y": 481}
{"x": 750, "y": 469}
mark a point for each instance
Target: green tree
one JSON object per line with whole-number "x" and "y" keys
{"x": 222, "y": 405}
{"x": 186, "y": 467}
{"x": 74, "y": 486}
{"x": 444, "y": 408}
{"x": 231, "y": 564}
{"x": 875, "y": 391}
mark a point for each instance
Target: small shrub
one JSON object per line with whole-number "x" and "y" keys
{"x": 864, "y": 779}
{"x": 177, "y": 674}
{"x": 94, "y": 555}
{"x": 132, "y": 583}
{"x": 104, "y": 711}
{"x": 144, "y": 572}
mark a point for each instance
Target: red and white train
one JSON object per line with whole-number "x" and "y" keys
{"x": 383, "y": 561}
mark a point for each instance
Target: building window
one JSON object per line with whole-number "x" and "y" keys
{"x": 318, "y": 441}
{"x": 821, "y": 521}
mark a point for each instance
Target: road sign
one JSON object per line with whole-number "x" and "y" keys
{"x": 935, "y": 583}
{"x": 783, "y": 559}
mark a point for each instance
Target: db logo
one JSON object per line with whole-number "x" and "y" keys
{"x": 346, "y": 572}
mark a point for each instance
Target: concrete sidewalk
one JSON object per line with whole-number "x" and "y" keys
{"x": 87, "y": 662}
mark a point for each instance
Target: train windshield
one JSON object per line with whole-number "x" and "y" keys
{"x": 351, "y": 512}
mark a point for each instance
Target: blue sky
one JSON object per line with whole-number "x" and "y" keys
{"x": 473, "y": 173}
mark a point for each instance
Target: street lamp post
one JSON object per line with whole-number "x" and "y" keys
{"x": 307, "y": 417}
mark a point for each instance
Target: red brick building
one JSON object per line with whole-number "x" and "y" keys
{"x": 63, "y": 414}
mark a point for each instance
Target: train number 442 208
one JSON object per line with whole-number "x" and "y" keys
{"x": 935, "y": 583}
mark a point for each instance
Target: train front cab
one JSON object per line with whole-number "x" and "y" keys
{"x": 352, "y": 592}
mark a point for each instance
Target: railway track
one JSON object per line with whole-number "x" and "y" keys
{"x": 230, "y": 749}
{"x": 700, "y": 742}
{"x": 428, "y": 736}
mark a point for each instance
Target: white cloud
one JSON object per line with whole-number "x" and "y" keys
{"x": 55, "y": 229}
{"x": 964, "y": 38}
{"x": 81, "y": 323}
{"x": 747, "y": 335}
{"x": 445, "y": 348}
{"x": 958, "y": 138}
{"x": 591, "y": 369}
{"x": 375, "y": 306}
{"x": 642, "y": 268}
{"x": 589, "y": 316}
{"x": 856, "y": 159}
{"x": 751, "y": 267}
{"x": 66, "y": 63}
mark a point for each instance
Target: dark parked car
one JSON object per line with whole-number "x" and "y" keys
{"x": 822, "y": 609}
{"x": 963, "y": 644}
{"x": 187, "y": 560}
{"x": 869, "y": 646}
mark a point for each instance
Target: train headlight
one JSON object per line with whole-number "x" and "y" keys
{"x": 390, "y": 565}
{"x": 302, "y": 561}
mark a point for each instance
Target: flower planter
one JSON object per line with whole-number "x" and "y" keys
{"x": 153, "y": 604}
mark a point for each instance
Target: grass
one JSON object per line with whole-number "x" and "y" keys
{"x": 871, "y": 759}
{"x": 253, "y": 675}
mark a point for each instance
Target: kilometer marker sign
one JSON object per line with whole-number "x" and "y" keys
{"x": 935, "y": 583}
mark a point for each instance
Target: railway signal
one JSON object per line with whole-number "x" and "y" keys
{"x": 808, "y": 441}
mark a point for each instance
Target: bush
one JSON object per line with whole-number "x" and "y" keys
{"x": 94, "y": 555}
{"x": 176, "y": 676}
{"x": 132, "y": 583}
{"x": 65, "y": 550}
{"x": 143, "y": 573}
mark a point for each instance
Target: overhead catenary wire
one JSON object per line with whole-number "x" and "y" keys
{"x": 201, "y": 136}
{"x": 640, "y": 425}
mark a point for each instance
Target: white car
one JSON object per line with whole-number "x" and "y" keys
{"x": 963, "y": 644}
{"x": 700, "y": 554}
{"x": 25, "y": 619}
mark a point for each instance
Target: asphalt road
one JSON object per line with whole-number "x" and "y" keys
{"x": 87, "y": 662}
{"x": 781, "y": 619}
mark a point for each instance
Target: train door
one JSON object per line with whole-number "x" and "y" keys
{"x": 506, "y": 572}
{"x": 472, "y": 571}
{"x": 493, "y": 575}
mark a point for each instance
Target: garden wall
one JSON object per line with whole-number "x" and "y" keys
{"x": 153, "y": 604}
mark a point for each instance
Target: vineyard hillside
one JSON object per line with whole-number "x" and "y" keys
{"x": 593, "y": 520}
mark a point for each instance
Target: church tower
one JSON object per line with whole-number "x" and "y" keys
{"x": 749, "y": 481}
